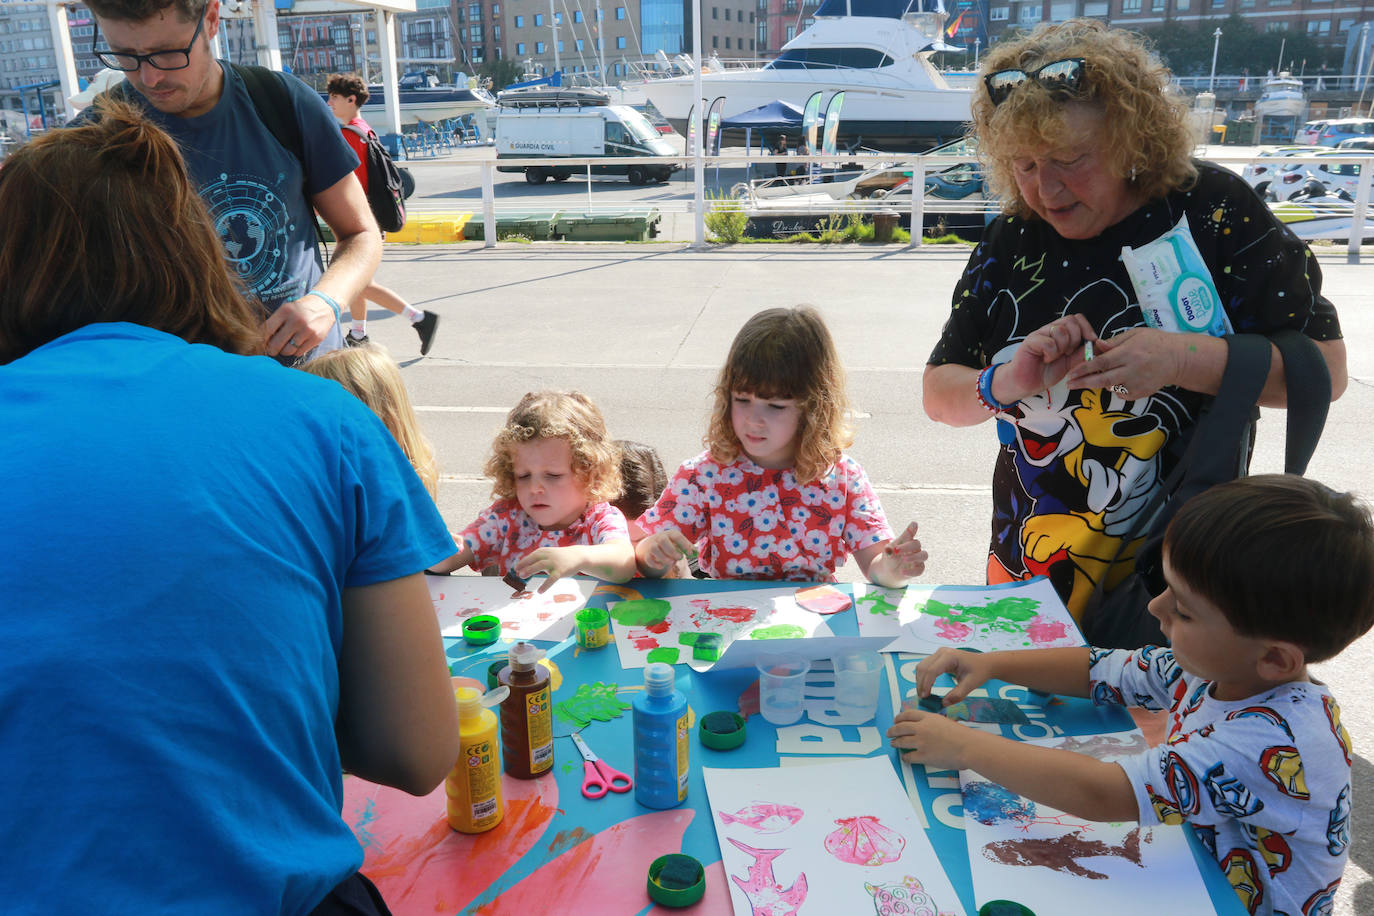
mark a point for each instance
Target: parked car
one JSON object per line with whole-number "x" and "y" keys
{"x": 1334, "y": 177}
{"x": 1356, "y": 143}
{"x": 1344, "y": 129}
{"x": 1259, "y": 174}
{"x": 1309, "y": 132}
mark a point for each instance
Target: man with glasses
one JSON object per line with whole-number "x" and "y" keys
{"x": 263, "y": 198}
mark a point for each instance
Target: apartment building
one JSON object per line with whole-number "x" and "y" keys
{"x": 28, "y": 56}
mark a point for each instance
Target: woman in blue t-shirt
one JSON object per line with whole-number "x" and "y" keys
{"x": 212, "y": 600}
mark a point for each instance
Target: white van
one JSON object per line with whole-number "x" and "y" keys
{"x": 562, "y": 123}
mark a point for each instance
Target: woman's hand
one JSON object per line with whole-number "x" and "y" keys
{"x": 1043, "y": 359}
{"x": 1135, "y": 363}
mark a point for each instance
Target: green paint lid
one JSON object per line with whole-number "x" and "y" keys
{"x": 676, "y": 880}
{"x": 1004, "y": 908}
{"x": 721, "y": 731}
{"x": 482, "y": 630}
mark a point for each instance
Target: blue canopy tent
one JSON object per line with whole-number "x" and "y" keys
{"x": 776, "y": 117}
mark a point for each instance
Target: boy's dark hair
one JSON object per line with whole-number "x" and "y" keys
{"x": 349, "y": 84}
{"x": 1282, "y": 557}
{"x": 643, "y": 476}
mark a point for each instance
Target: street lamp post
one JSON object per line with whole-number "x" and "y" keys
{"x": 362, "y": 43}
{"x": 1216, "y": 43}
{"x": 976, "y": 43}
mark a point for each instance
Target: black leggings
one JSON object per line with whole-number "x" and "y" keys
{"x": 355, "y": 896}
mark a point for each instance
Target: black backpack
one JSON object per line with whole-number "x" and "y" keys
{"x": 385, "y": 188}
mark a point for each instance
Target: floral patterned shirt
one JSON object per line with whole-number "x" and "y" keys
{"x": 503, "y": 533}
{"x": 750, "y": 522}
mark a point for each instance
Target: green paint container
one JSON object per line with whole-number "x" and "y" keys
{"x": 593, "y": 628}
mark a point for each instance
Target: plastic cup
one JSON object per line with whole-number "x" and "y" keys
{"x": 781, "y": 677}
{"x": 858, "y": 675}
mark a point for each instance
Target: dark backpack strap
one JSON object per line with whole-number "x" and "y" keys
{"x": 1309, "y": 397}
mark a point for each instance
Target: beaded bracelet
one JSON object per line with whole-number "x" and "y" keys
{"x": 984, "y": 390}
{"x": 329, "y": 301}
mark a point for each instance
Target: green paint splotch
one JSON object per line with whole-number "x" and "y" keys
{"x": 779, "y": 631}
{"x": 640, "y": 612}
{"x": 596, "y": 701}
{"x": 666, "y": 654}
{"x": 1005, "y": 615}
{"x": 879, "y": 605}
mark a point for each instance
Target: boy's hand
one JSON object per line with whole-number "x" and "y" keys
{"x": 555, "y": 562}
{"x": 969, "y": 669}
{"x": 660, "y": 550}
{"x": 931, "y": 739}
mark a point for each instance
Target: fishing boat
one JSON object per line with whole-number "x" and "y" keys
{"x": 424, "y": 98}
{"x": 1280, "y": 108}
{"x": 876, "y": 51}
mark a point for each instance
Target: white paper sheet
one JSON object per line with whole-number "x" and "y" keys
{"x": 788, "y": 837}
{"x": 1052, "y": 862}
{"x": 547, "y": 617}
{"x": 923, "y": 618}
{"x": 749, "y": 621}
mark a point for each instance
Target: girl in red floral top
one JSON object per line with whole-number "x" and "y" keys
{"x": 555, "y": 467}
{"x": 774, "y": 496}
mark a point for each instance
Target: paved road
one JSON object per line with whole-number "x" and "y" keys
{"x": 643, "y": 329}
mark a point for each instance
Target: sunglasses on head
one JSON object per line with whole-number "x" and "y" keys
{"x": 1061, "y": 77}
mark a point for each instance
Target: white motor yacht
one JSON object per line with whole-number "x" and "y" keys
{"x": 876, "y": 51}
{"x": 1281, "y": 96}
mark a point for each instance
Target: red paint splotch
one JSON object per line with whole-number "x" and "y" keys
{"x": 419, "y": 863}
{"x": 566, "y": 839}
{"x": 660, "y": 627}
{"x": 1044, "y": 631}
{"x": 646, "y": 643}
{"x": 952, "y": 629}
{"x": 561, "y": 597}
{"x": 733, "y": 614}
{"x": 748, "y": 703}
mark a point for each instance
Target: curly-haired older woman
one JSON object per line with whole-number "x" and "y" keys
{"x": 1084, "y": 141}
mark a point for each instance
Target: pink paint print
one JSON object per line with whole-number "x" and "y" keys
{"x": 863, "y": 840}
{"x": 766, "y": 896}
{"x": 764, "y": 817}
{"x": 953, "y": 630}
{"x": 1043, "y": 631}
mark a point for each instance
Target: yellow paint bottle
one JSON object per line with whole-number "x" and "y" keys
{"x": 473, "y": 785}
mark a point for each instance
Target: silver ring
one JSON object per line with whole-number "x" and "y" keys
{"x": 1120, "y": 391}
{"x": 293, "y": 342}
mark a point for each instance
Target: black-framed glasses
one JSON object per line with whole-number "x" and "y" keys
{"x": 158, "y": 60}
{"x": 1062, "y": 77}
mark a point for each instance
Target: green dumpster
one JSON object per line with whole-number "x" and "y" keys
{"x": 536, "y": 225}
{"x": 627, "y": 226}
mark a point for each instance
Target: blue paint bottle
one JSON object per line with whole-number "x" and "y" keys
{"x": 660, "y": 720}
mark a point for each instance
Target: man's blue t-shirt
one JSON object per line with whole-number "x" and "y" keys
{"x": 180, "y": 527}
{"x": 253, "y": 185}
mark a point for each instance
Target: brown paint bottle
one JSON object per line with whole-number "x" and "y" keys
{"x": 527, "y": 714}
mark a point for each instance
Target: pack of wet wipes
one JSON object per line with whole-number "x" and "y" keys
{"x": 1174, "y": 286}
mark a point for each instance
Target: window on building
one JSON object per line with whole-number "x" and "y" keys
{"x": 577, "y": 15}
{"x": 560, "y": 46}
{"x": 1276, "y": 27}
{"x": 557, "y": 18}
{"x": 1183, "y": 5}
{"x": 791, "y": 32}
{"x": 727, "y": 42}
{"x": 496, "y": 33}
{"x": 538, "y": 19}
{"x": 519, "y": 47}
{"x": 1060, "y": 11}
{"x": 474, "y": 11}
{"x": 495, "y": 10}
{"x": 715, "y": 41}
{"x": 538, "y": 47}
{"x": 620, "y": 42}
{"x": 715, "y": 12}
{"x": 1158, "y": 6}
{"x": 1132, "y": 6}
{"x": 620, "y": 12}
{"x": 519, "y": 22}
{"x": 997, "y": 14}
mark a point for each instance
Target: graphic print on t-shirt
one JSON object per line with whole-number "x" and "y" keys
{"x": 253, "y": 222}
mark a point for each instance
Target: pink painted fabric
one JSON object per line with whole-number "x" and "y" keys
{"x": 503, "y": 533}
{"x": 752, "y": 523}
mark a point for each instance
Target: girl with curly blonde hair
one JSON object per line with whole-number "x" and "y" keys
{"x": 774, "y": 496}
{"x": 555, "y": 470}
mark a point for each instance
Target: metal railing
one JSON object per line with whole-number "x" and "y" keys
{"x": 813, "y": 197}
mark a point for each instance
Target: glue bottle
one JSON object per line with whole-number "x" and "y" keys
{"x": 660, "y": 722}
{"x": 527, "y": 714}
{"x": 473, "y": 785}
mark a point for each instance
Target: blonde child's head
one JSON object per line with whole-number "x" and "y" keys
{"x": 373, "y": 377}
{"x": 786, "y": 354}
{"x": 566, "y": 415}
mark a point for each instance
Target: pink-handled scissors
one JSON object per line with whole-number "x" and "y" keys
{"x": 599, "y": 777}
